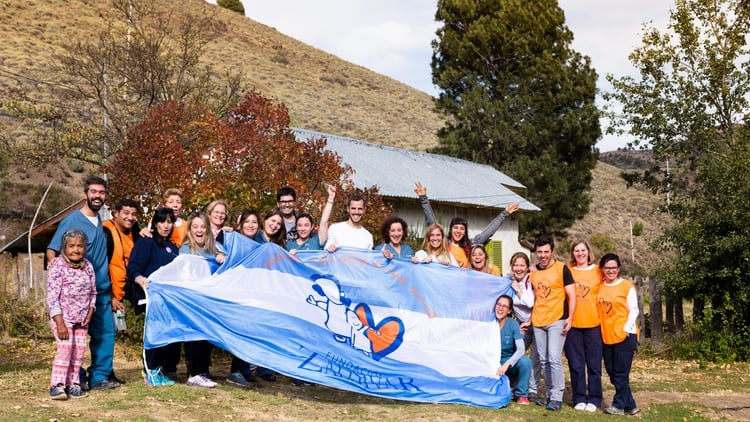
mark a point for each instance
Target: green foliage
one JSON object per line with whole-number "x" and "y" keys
{"x": 602, "y": 242}
{"x": 691, "y": 107}
{"x": 638, "y": 228}
{"x": 21, "y": 317}
{"x": 519, "y": 98}
{"x": 233, "y": 5}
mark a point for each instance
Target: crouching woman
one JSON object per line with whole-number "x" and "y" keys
{"x": 513, "y": 361}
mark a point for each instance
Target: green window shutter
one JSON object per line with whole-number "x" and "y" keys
{"x": 495, "y": 251}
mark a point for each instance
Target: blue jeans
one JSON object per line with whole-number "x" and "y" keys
{"x": 583, "y": 347}
{"x": 549, "y": 343}
{"x": 536, "y": 368}
{"x": 618, "y": 358}
{"x": 518, "y": 375}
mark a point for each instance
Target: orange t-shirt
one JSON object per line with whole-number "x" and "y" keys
{"x": 588, "y": 281}
{"x": 458, "y": 253}
{"x": 123, "y": 245}
{"x": 613, "y": 311}
{"x": 550, "y": 304}
{"x": 179, "y": 233}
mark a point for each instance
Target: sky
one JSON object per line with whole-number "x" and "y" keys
{"x": 393, "y": 37}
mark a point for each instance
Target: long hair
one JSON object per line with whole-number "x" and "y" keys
{"x": 244, "y": 216}
{"x": 443, "y": 249}
{"x": 572, "y": 261}
{"x": 486, "y": 268}
{"x": 209, "y": 244}
{"x": 279, "y": 237}
{"x": 161, "y": 215}
{"x": 463, "y": 243}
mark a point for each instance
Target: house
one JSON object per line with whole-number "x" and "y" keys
{"x": 456, "y": 187}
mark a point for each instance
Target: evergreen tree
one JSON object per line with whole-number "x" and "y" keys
{"x": 519, "y": 98}
{"x": 233, "y": 5}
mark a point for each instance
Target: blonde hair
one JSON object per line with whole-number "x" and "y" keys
{"x": 209, "y": 245}
{"x": 443, "y": 249}
{"x": 572, "y": 261}
{"x": 172, "y": 192}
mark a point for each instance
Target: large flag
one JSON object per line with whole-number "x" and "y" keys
{"x": 349, "y": 319}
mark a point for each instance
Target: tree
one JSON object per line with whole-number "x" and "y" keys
{"x": 146, "y": 55}
{"x": 243, "y": 156}
{"x": 233, "y": 5}
{"x": 519, "y": 98}
{"x": 690, "y": 106}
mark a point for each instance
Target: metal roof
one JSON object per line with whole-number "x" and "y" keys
{"x": 448, "y": 179}
{"x": 42, "y": 233}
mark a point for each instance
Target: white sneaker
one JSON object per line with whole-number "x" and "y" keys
{"x": 201, "y": 380}
{"x": 590, "y": 407}
{"x": 580, "y": 406}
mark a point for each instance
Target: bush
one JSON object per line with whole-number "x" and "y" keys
{"x": 21, "y": 317}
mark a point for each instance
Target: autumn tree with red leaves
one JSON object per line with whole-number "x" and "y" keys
{"x": 242, "y": 157}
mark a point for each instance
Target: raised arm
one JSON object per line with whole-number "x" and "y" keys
{"x": 323, "y": 230}
{"x": 486, "y": 234}
{"x": 421, "y": 191}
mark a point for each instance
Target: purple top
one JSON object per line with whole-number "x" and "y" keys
{"x": 70, "y": 292}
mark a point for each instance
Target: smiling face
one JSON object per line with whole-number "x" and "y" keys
{"x": 218, "y": 216}
{"x": 198, "y": 231}
{"x": 75, "y": 249}
{"x": 250, "y": 226}
{"x": 519, "y": 268}
{"x": 581, "y": 254}
{"x": 544, "y": 255}
{"x": 458, "y": 231}
{"x": 304, "y": 228}
{"x": 502, "y": 308}
{"x": 95, "y": 197}
{"x": 356, "y": 211}
{"x": 611, "y": 271}
{"x": 396, "y": 233}
{"x": 125, "y": 218}
{"x": 478, "y": 258}
{"x": 286, "y": 205}
{"x": 272, "y": 225}
{"x": 436, "y": 238}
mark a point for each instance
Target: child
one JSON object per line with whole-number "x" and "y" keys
{"x": 71, "y": 295}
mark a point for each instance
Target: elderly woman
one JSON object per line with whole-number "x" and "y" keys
{"x": 617, "y": 304}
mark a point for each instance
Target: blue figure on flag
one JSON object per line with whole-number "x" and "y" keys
{"x": 355, "y": 325}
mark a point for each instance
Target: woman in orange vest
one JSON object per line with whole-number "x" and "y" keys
{"x": 583, "y": 345}
{"x": 617, "y": 304}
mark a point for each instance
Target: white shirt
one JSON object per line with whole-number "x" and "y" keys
{"x": 342, "y": 234}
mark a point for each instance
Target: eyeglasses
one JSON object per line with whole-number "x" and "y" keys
{"x": 610, "y": 268}
{"x": 502, "y": 306}
{"x": 219, "y": 213}
{"x": 290, "y": 202}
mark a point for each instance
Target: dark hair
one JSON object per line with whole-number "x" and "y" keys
{"x": 279, "y": 237}
{"x": 247, "y": 213}
{"x": 464, "y": 241}
{"x": 355, "y": 197}
{"x": 306, "y": 215}
{"x": 544, "y": 240}
{"x": 161, "y": 215}
{"x": 517, "y": 255}
{"x": 94, "y": 180}
{"x": 286, "y": 190}
{"x": 386, "y": 228}
{"x": 609, "y": 257}
{"x": 126, "y": 202}
{"x": 510, "y": 300}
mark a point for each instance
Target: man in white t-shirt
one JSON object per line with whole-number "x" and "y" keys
{"x": 350, "y": 233}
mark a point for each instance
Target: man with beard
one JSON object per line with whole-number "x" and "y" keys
{"x": 102, "y": 325}
{"x": 350, "y": 233}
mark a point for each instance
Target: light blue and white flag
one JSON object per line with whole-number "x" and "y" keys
{"x": 349, "y": 319}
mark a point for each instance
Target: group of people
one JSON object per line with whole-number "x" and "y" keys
{"x": 587, "y": 310}
{"x": 584, "y": 309}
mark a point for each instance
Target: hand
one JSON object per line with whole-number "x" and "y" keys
{"x": 512, "y": 208}
{"x": 331, "y": 248}
{"x": 145, "y": 232}
{"x": 524, "y": 326}
{"x": 86, "y": 320}
{"x": 228, "y": 229}
{"x": 568, "y": 324}
{"x": 420, "y": 189}
{"x": 293, "y": 252}
{"x": 220, "y": 258}
{"x": 386, "y": 253}
{"x": 60, "y": 328}
{"x": 117, "y": 305}
{"x": 331, "y": 192}
{"x": 502, "y": 369}
{"x": 142, "y": 281}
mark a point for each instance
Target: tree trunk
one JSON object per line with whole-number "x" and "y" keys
{"x": 655, "y": 288}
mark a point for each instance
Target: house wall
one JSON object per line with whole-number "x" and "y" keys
{"x": 478, "y": 219}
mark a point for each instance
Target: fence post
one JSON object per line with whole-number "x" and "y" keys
{"x": 655, "y": 289}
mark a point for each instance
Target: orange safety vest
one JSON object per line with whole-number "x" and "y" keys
{"x": 123, "y": 245}
{"x": 613, "y": 311}
{"x": 588, "y": 283}
{"x": 549, "y": 289}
